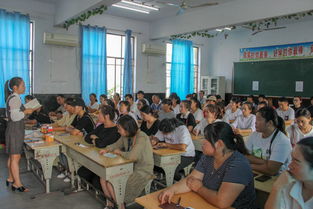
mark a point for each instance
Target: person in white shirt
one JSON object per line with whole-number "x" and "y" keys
{"x": 93, "y": 105}
{"x": 246, "y": 121}
{"x": 141, "y": 95}
{"x": 284, "y": 111}
{"x": 175, "y": 103}
{"x": 233, "y": 112}
{"x": 213, "y": 114}
{"x": 175, "y": 135}
{"x": 166, "y": 111}
{"x": 202, "y": 98}
{"x": 124, "y": 109}
{"x": 196, "y": 110}
{"x": 103, "y": 98}
{"x": 294, "y": 188}
{"x": 133, "y": 106}
{"x": 269, "y": 147}
{"x": 302, "y": 128}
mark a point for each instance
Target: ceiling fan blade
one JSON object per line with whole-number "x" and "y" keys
{"x": 276, "y": 28}
{"x": 168, "y": 4}
{"x": 204, "y": 5}
{"x": 180, "y": 11}
{"x": 256, "y": 32}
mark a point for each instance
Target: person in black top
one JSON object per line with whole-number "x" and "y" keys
{"x": 104, "y": 135}
{"x": 82, "y": 123}
{"x": 150, "y": 124}
{"x": 39, "y": 116}
{"x": 185, "y": 116}
{"x": 297, "y": 103}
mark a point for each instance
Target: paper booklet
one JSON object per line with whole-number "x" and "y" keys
{"x": 33, "y": 104}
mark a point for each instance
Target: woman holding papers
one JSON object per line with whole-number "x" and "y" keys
{"x": 15, "y": 132}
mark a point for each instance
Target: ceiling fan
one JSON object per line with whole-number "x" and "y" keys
{"x": 184, "y": 6}
{"x": 262, "y": 29}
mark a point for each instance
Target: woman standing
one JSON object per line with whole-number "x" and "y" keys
{"x": 15, "y": 132}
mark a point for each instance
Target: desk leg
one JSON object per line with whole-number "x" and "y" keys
{"x": 76, "y": 167}
{"x": 118, "y": 177}
{"x": 169, "y": 165}
{"x": 46, "y": 157}
{"x": 71, "y": 166}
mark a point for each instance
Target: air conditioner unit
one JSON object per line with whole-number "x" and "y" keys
{"x": 60, "y": 39}
{"x": 151, "y": 49}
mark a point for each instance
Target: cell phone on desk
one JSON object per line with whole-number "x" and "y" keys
{"x": 263, "y": 178}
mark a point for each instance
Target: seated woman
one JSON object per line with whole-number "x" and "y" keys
{"x": 246, "y": 121}
{"x": 124, "y": 109}
{"x": 82, "y": 123}
{"x": 302, "y": 127}
{"x": 175, "y": 135}
{"x": 104, "y": 135}
{"x": 294, "y": 188}
{"x": 185, "y": 116}
{"x": 166, "y": 111}
{"x": 133, "y": 145}
{"x": 93, "y": 105}
{"x": 68, "y": 117}
{"x": 223, "y": 176}
{"x": 233, "y": 111}
{"x": 196, "y": 109}
{"x": 150, "y": 124}
{"x": 213, "y": 114}
{"x": 269, "y": 147}
{"x": 140, "y": 103}
{"x": 103, "y": 98}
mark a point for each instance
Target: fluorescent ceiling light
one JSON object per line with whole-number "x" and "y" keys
{"x": 227, "y": 28}
{"x": 219, "y": 30}
{"x": 140, "y": 5}
{"x": 130, "y": 8}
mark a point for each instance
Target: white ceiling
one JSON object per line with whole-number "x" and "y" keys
{"x": 165, "y": 10}
{"x": 48, "y": 1}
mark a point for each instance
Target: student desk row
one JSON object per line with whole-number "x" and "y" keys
{"x": 115, "y": 170}
{"x": 43, "y": 152}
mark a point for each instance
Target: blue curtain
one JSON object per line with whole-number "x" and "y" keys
{"x": 14, "y": 49}
{"x": 93, "y": 61}
{"x": 182, "y": 71}
{"x": 128, "y": 72}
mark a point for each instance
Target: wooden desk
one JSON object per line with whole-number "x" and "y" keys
{"x": 45, "y": 153}
{"x": 197, "y": 141}
{"x": 189, "y": 199}
{"x": 168, "y": 160}
{"x": 115, "y": 170}
{"x": 264, "y": 186}
{"x": 245, "y": 135}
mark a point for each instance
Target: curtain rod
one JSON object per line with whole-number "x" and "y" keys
{"x": 192, "y": 42}
{"x": 117, "y": 30}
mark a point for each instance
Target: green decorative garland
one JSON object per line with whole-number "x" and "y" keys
{"x": 81, "y": 18}
{"x": 259, "y": 25}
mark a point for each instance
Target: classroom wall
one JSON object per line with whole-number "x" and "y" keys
{"x": 222, "y": 53}
{"x": 57, "y": 68}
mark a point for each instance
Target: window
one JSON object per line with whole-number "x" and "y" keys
{"x": 196, "y": 52}
{"x": 115, "y": 62}
{"x": 31, "y": 58}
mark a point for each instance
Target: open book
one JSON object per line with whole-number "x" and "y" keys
{"x": 33, "y": 104}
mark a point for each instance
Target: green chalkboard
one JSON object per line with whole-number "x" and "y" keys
{"x": 276, "y": 78}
